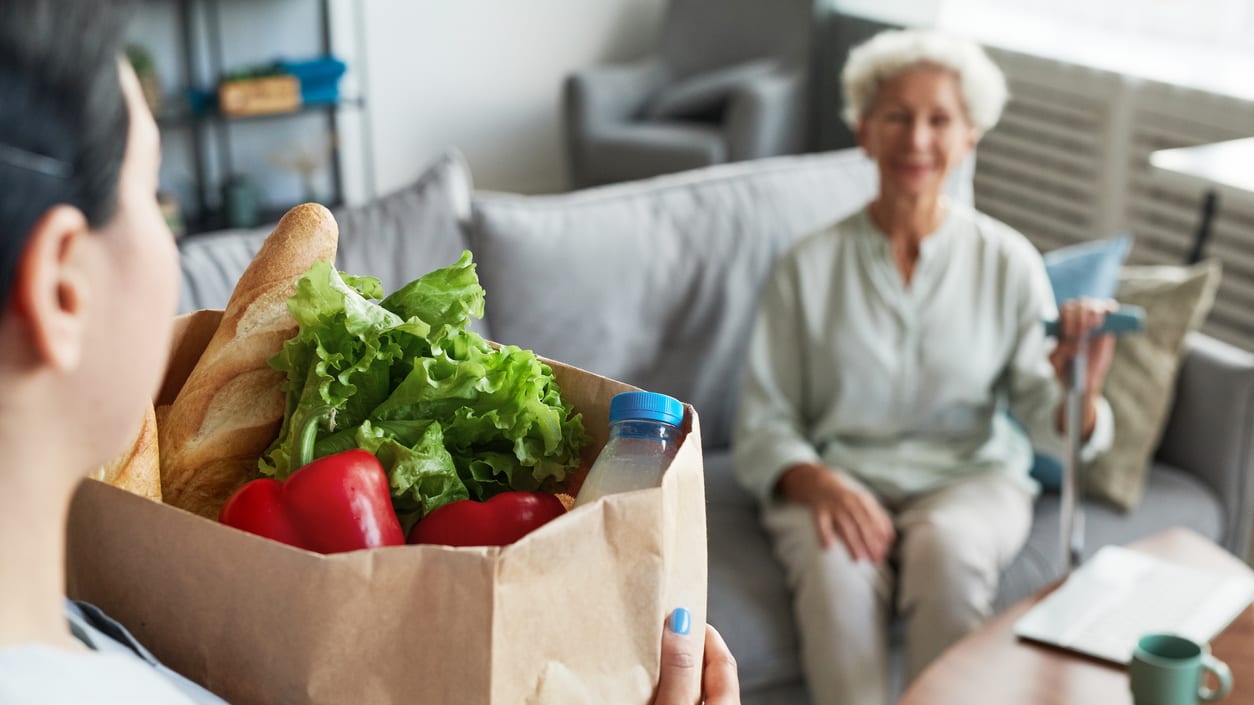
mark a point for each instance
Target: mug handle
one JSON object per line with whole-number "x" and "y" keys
{"x": 1221, "y": 673}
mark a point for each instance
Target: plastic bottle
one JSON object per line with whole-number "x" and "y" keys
{"x": 644, "y": 436}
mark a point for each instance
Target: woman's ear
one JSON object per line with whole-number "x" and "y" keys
{"x": 860, "y": 132}
{"x": 50, "y": 291}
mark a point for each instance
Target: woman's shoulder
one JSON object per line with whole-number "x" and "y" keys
{"x": 998, "y": 237}
{"x": 38, "y": 674}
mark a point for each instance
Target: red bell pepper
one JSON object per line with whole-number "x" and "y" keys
{"x": 338, "y": 503}
{"x": 500, "y": 521}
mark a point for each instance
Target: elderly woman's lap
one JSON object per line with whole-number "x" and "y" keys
{"x": 952, "y": 544}
{"x": 842, "y": 607}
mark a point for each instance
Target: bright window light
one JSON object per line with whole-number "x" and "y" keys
{"x": 1206, "y": 22}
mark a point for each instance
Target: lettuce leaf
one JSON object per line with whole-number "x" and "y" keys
{"x": 449, "y": 415}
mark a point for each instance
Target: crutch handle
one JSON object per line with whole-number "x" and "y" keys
{"x": 1125, "y": 319}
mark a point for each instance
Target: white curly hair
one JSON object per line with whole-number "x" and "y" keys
{"x": 891, "y": 53}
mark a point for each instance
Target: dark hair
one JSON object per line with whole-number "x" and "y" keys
{"x": 63, "y": 117}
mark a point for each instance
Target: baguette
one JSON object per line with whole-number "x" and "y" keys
{"x": 137, "y": 469}
{"x": 231, "y": 406}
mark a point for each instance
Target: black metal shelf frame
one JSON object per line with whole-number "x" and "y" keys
{"x": 201, "y": 124}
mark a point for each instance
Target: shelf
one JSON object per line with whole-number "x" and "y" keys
{"x": 193, "y": 113}
{"x": 186, "y": 118}
{"x": 216, "y": 220}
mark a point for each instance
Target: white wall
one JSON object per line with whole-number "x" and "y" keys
{"x": 485, "y": 76}
{"x": 911, "y": 13}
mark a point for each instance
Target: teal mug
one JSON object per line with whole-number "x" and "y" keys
{"x": 1168, "y": 670}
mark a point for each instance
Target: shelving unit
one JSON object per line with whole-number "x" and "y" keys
{"x": 199, "y": 27}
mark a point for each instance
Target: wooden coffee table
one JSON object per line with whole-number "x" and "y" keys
{"x": 994, "y": 666}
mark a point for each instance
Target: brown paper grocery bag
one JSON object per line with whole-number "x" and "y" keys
{"x": 572, "y": 613}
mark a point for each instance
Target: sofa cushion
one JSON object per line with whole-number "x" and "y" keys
{"x": 213, "y": 262}
{"x": 659, "y": 279}
{"x": 396, "y": 238}
{"x": 655, "y": 282}
{"x": 1172, "y": 498}
{"x": 412, "y": 231}
{"x": 749, "y": 600}
{"x": 1142, "y": 377}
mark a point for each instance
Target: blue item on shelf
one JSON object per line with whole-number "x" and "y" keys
{"x": 201, "y": 102}
{"x": 319, "y": 78}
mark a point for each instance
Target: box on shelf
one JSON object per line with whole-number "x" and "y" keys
{"x": 259, "y": 96}
{"x": 572, "y": 613}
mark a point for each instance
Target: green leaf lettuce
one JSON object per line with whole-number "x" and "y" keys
{"x": 448, "y": 415}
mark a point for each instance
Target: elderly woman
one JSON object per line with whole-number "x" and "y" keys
{"x": 890, "y": 352}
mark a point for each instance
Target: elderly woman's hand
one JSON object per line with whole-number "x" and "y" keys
{"x": 1076, "y": 319}
{"x": 843, "y": 509}
{"x": 684, "y": 681}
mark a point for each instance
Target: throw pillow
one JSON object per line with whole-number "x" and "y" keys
{"x": 1089, "y": 269}
{"x": 704, "y": 95}
{"x": 655, "y": 282}
{"x": 396, "y": 238}
{"x": 403, "y": 235}
{"x": 1141, "y": 384}
{"x": 213, "y": 262}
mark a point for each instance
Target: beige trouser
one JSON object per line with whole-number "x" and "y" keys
{"x": 952, "y": 544}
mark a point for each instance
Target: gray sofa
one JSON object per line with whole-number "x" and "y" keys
{"x": 654, "y": 282}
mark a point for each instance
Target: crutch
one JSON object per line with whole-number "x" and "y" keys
{"x": 1127, "y": 319}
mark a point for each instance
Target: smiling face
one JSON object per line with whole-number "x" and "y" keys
{"x": 917, "y": 130}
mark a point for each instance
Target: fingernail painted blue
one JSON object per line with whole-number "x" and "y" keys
{"x": 681, "y": 621}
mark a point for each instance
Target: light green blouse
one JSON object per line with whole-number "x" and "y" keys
{"x": 903, "y": 387}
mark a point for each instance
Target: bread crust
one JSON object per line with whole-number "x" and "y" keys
{"x": 231, "y": 406}
{"x": 137, "y": 469}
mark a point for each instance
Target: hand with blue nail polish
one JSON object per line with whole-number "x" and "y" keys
{"x": 680, "y": 682}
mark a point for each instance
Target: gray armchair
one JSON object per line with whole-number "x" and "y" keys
{"x": 729, "y": 82}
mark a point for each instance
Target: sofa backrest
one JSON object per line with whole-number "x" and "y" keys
{"x": 397, "y": 238}
{"x": 213, "y": 262}
{"x": 656, "y": 282}
{"x": 412, "y": 231}
{"x": 653, "y": 282}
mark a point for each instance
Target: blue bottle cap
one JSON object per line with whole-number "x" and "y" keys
{"x": 649, "y": 406}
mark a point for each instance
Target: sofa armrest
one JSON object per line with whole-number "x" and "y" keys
{"x": 599, "y": 97}
{"x": 766, "y": 116}
{"x": 604, "y": 95}
{"x": 1210, "y": 433}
